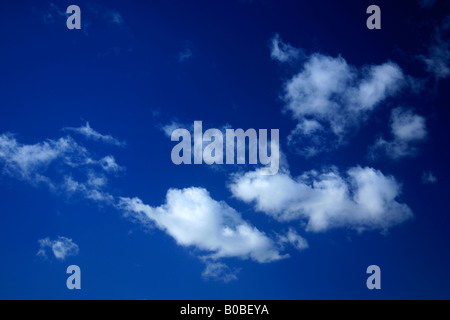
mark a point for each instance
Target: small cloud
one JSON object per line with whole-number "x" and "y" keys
{"x": 91, "y": 134}
{"x": 114, "y": 17}
{"x": 294, "y": 239}
{"x": 186, "y": 53}
{"x": 283, "y": 52}
{"x": 408, "y": 129}
{"x": 219, "y": 271}
{"x": 170, "y": 127}
{"x": 109, "y": 164}
{"x": 61, "y": 248}
{"x": 429, "y": 178}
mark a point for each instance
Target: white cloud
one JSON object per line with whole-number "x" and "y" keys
{"x": 91, "y": 134}
{"x": 407, "y": 130}
{"x": 27, "y": 162}
{"x": 429, "y": 177}
{"x": 219, "y": 271}
{"x": 61, "y": 248}
{"x": 332, "y": 98}
{"x": 294, "y": 239}
{"x": 363, "y": 199}
{"x": 194, "y": 219}
{"x": 283, "y": 52}
{"x": 109, "y": 164}
{"x": 54, "y": 163}
{"x": 91, "y": 189}
{"x": 172, "y": 126}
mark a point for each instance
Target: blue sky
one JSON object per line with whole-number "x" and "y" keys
{"x": 85, "y": 150}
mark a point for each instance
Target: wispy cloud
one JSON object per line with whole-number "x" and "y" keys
{"x": 219, "y": 271}
{"x": 437, "y": 59}
{"x": 61, "y": 248}
{"x": 53, "y": 14}
{"x": 30, "y": 161}
{"x": 55, "y": 164}
{"x": 170, "y": 127}
{"x": 114, "y": 17}
{"x": 428, "y": 177}
{"x": 284, "y": 52}
{"x": 91, "y": 134}
{"x": 185, "y": 54}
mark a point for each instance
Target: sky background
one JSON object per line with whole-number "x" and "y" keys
{"x": 84, "y": 123}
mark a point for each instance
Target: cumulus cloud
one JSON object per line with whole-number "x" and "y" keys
{"x": 329, "y": 98}
{"x": 194, "y": 219}
{"x": 283, "y": 52}
{"x": 91, "y": 134}
{"x": 363, "y": 199}
{"x": 61, "y": 247}
{"x": 407, "y": 130}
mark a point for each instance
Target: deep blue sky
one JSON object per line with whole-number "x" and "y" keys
{"x": 123, "y": 74}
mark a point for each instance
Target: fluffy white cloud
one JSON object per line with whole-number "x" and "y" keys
{"x": 61, "y": 247}
{"x": 283, "y": 52}
{"x": 331, "y": 98}
{"x": 194, "y": 219}
{"x": 407, "y": 130}
{"x": 363, "y": 199}
{"x": 91, "y": 134}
